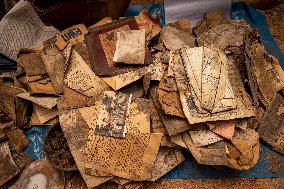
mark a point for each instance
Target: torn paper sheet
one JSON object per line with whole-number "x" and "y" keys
{"x": 210, "y": 20}
{"x": 229, "y": 34}
{"x": 81, "y": 78}
{"x": 22, "y": 28}
{"x": 265, "y": 70}
{"x": 55, "y": 64}
{"x": 157, "y": 125}
{"x": 17, "y": 139}
{"x": 157, "y": 68}
{"x": 8, "y": 93}
{"x": 111, "y": 119}
{"x": 32, "y": 63}
{"x": 225, "y": 129}
{"x": 146, "y": 22}
{"x": 170, "y": 102}
{"x": 71, "y": 36}
{"x": 131, "y": 157}
{"x": 41, "y": 86}
{"x": 45, "y": 114}
{"x": 8, "y": 167}
{"x": 76, "y": 133}
{"x": 130, "y": 47}
{"x": 167, "y": 159}
{"x": 72, "y": 99}
{"x": 214, "y": 154}
{"x": 192, "y": 106}
{"x": 180, "y": 124}
{"x": 204, "y": 137}
{"x": 271, "y": 128}
{"x": 177, "y": 139}
{"x": 120, "y": 81}
{"x": 168, "y": 83}
{"x": 46, "y": 102}
{"x": 174, "y": 38}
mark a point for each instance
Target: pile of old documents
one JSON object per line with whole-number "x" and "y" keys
{"x": 126, "y": 97}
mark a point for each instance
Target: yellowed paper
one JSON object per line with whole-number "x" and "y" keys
{"x": 55, "y": 64}
{"x": 81, "y": 78}
{"x": 131, "y": 157}
{"x": 119, "y": 81}
{"x": 177, "y": 139}
{"x": 130, "y": 47}
{"x": 211, "y": 155}
{"x": 76, "y": 132}
{"x": 45, "y": 114}
{"x": 204, "y": 137}
{"x": 167, "y": 159}
{"x": 46, "y": 102}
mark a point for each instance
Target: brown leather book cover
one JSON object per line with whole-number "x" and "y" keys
{"x": 102, "y": 43}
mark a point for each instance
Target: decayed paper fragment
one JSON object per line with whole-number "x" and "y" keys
{"x": 46, "y": 102}
{"x": 177, "y": 139}
{"x": 21, "y": 28}
{"x": 224, "y": 128}
{"x": 267, "y": 76}
{"x": 233, "y": 93}
{"x": 271, "y": 128}
{"x": 131, "y": 157}
{"x": 17, "y": 139}
{"x": 130, "y": 47}
{"x": 55, "y": 65}
{"x": 119, "y": 81}
{"x": 214, "y": 154}
{"x": 146, "y": 22}
{"x": 81, "y": 78}
{"x": 73, "y": 99}
{"x": 157, "y": 126}
{"x": 111, "y": 120}
{"x": 174, "y": 38}
{"x": 32, "y": 63}
{"x": 8, "y": 167}
{"x": 245, "y": 150}
{"x": 173, "y": 124}
{"x": 45, "y": 114}
{"x": 204, "y": 137}
{"x": 76, "y": 133}
{"x": 170, "y": 102}
{"x": 229, "y": 34}
{"x": 8, "y": 93}
{"x": 167, "y": 159}
{"x": 71, "y": 36}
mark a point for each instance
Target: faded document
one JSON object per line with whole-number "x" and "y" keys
{"x": 230, "y": 100}
{"x": 131, "y": 157}
{"x": 111, "y": 120}
{"x": 82, "y": 79}
{"x": 204, "y": 137}
{"x": 22, "y": 28}
{"x": 76, "y": 133}
{"x": 130, "y": 47}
